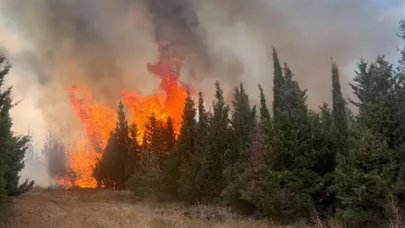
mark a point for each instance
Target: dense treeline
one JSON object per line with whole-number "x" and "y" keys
{"x": 12, "y": 148}
{"x": 291, "y": 164}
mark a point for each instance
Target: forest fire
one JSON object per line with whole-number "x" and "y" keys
{"x": 98, "y": 121}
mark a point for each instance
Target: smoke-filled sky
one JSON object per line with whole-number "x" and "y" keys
{"x": 106, "y": 45}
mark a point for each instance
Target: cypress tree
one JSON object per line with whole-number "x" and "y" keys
{"x": 202, "y": 126}
{"x": 212, "y": 167}
{"x": 153, "y": 136}
{"x": 243, "y": 127}
{"x": 264, "y": 111}
{"x": 148, "y": 179}
{"x": 278, "y": 86}
{"x": 202, "y": 143}
{"x": 186, "y": 151}
{"x": 112, "y": 171}
{"x": 169, "y": 137}
{"x": 366, "y": 176}
{"x": 243, "y": 122}
{"x": 339, "y": 108}
{"x": 134, "y": 151}
{"x": 290, "y": 181}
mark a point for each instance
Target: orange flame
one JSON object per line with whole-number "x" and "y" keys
{"x": 99, "y": 121}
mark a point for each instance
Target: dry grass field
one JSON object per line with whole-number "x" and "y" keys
{"x": 110, "y": 209}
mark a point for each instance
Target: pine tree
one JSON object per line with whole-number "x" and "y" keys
{"x": 13, "y": 147}
{"x": 153, "y": 136}
{"x": 112, "y": 170}
{"x": 186, "y": 151}
{"x": 278, "y": 86}
{"x": 265, "y": 118}
{"x": 134, "y": 152}
{"x": 243, "y": 122}
{"x": 147, "y": 179}
{"x": 202, "y": 125}
{"x": 339, "y": 110}
{"x": 213, "y": 162}
{"x": 290, "y": 180}
{"x": 373, "y": 86}
{"x": 323, "y": 147}
{"x": 202, "y": 142}
{"x": 399, "y": 133}
{"x": 366, "y": 176}
{"x": 243, "y": 126}
{"x": 364, "y": 181}
{"x": 169, "y": 137}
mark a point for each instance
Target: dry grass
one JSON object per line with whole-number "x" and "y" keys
{"x": 99, "y": 208}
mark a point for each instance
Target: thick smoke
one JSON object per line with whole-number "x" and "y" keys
{"x": 106, "y": 45}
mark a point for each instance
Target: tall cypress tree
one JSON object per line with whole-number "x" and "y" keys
{"x": 290, "y": 180}
{"x": 243, "y": 127}
{"x": 278, "y": 86}
{"x": 202, "y": 126}
{"x": 202, "y": 143}
{"x": 339, "y": 107}
{"x": 243, "y": 122}
{"x": 186, "y": 152}
{"x": 213, "y": 162}
{"x": 264, "y": 110}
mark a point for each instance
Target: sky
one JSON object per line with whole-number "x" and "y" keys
{"x": 228, "y": 40}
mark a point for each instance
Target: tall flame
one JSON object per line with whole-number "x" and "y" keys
{"x": 98, "y": 121}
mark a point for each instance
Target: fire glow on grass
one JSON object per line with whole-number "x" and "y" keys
{"x": 98, "y": 121}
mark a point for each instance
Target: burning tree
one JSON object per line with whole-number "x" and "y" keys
{"x": 98, "y": 120}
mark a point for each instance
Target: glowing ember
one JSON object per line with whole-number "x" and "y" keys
{"x": 98, "y": 121}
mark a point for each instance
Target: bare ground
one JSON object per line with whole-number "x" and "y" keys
{"x": 110, "y": 209}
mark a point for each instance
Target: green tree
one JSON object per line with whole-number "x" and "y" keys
{"x": 213, "y": 161}
{"x": 278, "y": 86}
{"x": 153, "y": 136}
{"x": 186, "y": 151}
{"x": 366, "y": 177}
{"x": 134, "y": 151}
{"x": 12, "y": 147}
{"x": 112, "y": 170}
{"x": 202, "y": 143}
{"x": 243, "y": 122}
{"x": 290, "y": 180}
{"x": 339, "y": 111}
{"x": 364, "y": 180}
{"x": 243, "y": 126}
{"x": 399, "y": 134}
{"x": 169, "y": 137}
{"x": 265, "y": 118}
